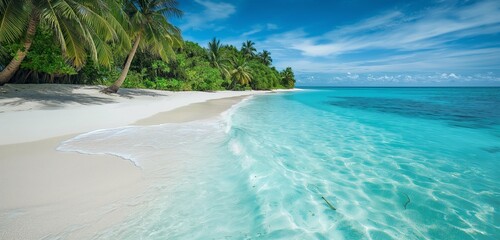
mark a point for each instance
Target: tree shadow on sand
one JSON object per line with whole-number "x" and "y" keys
{"x": 53, "y": 95}
{"x": 131, "y": 93}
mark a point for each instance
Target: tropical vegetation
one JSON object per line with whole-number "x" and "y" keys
{"x": 123, "y": 43}
{"x": 82, "y": 29}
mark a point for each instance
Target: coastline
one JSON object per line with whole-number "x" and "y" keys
{"x": 34, "y": 112}
{"x": 45, "y": 191}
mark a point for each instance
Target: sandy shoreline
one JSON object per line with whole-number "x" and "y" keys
{"x": 35, "y": 112}
{"x": 44, "y": 192}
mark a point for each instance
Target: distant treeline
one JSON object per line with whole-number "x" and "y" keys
{"x": 133, "y": 41}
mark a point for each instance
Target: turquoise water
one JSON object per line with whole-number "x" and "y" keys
{"x": 395, "y": 163}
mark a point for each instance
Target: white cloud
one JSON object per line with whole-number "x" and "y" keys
{"x": 252, "y": 32}
{"x": 212, "y": 11}
{"x": 449, "y": 76}
{"x": 419, "y": 42}
{"x": 259, "y": 28}
{"x": 271, "y": 26}
{"x": 400, "y": 79}
{"x": 352, "y": 76}
{"x": 396, "y": 31}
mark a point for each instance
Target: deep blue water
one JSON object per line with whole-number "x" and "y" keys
{"x": 395, "y": 163}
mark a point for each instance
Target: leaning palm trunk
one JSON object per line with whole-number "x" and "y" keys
{"x": 11, "y": 68}
{"x": 118, "y": 83}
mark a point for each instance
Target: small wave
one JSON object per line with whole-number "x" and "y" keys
{"x": 227, "y": 115}
{"x": 132, "y": 143}
{"x": 140, "y": 144}
{"x": 88, "y": 143}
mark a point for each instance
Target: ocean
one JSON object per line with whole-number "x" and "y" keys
{"x": 320, "y": 163}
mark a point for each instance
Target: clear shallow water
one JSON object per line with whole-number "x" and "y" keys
{"x": 396, "y": 163}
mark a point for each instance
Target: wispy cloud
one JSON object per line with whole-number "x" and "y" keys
{"x": 259, "y": 28}
{"x": 396, "y": 31}
{"x": 253, "y": 31}
{"x": 397, "y": 41}
{"x": 435, "y": 60}
{"x": 272, "y": 26}
{"x": 212, "y": 11}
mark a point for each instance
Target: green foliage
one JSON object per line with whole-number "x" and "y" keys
{"x": 8, "y": 51}
{"x": 148, "y": 21}
{"x": 205, "y": 78}
{"x": 135, "y": 79}
{"x": 152, "y": 65}
{"x": 95, "y": 74}
{"x": 264, "y": 77}
{"x": 248, "y": 49}
{"x": 160, "y": 68}
{"x": 192, "y": 49}
{"x": 81, "y": 29}
{"x": 166, "y": 84}
{"x": 288, "y": 78}
{"x": 45, "y": 57}
{"x": 265, "y": 58}
{"x": 93, "y": 46}
{"x": 217, "y": 57}
{"x": 241, "y": 71}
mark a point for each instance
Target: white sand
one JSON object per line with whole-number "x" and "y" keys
{"x": 35, "y": 112}
{"x": 44, "y": 192}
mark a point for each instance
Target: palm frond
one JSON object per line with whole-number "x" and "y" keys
{"x": 122, "y": 37}
{"x": 14, "y": 17}
{"x": 69, "y": 31}
{"x": 51, "y": 19}
{"x": 120, "y": 22}
{"x": 167, "y": 8}
{"x": 75, "y": 50}
{"x": 104, "y": 53}
{"x": 92, "y": 46}
{"x": 93, "y": 19}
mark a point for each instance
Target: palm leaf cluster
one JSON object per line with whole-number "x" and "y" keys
{"x": 81, "y": 27}
{"x": 95, "y": 29}
{"x": 217, "y": 58}
{"x": 248, "y": 49}
{"x": 148, "y": 20}
{"x": 151, "y": 32}
{"x": 241, "y": 71}
{"x": 265, "y": 57}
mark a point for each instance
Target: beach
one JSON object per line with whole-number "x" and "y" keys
{"x": 167, "y": 119}
{"x": 322, "y": 163}
{"x": 44, "y": 192}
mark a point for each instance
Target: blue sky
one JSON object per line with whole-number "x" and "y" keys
{"x": 360, "y": 42}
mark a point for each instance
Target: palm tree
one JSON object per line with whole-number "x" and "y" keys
{"x": 151, "y": 32}
{"x": 288, "y": 78}
{"x": 216, "y": 58}
{"x": 79, "y": 27}
{"x": 241, "y": 71}
{"x": 248, "y": 49}
{"x": 265, "y": 58}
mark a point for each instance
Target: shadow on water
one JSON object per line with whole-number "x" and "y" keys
{"x": 467, "y": 113}
{"x": 492, "y": 149}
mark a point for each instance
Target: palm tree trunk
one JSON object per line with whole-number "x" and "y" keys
{"x": 118, "y": 83}
{"x": 11, "y": 68}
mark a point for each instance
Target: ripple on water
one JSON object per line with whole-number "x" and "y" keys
{"x": 393, "y": 169}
